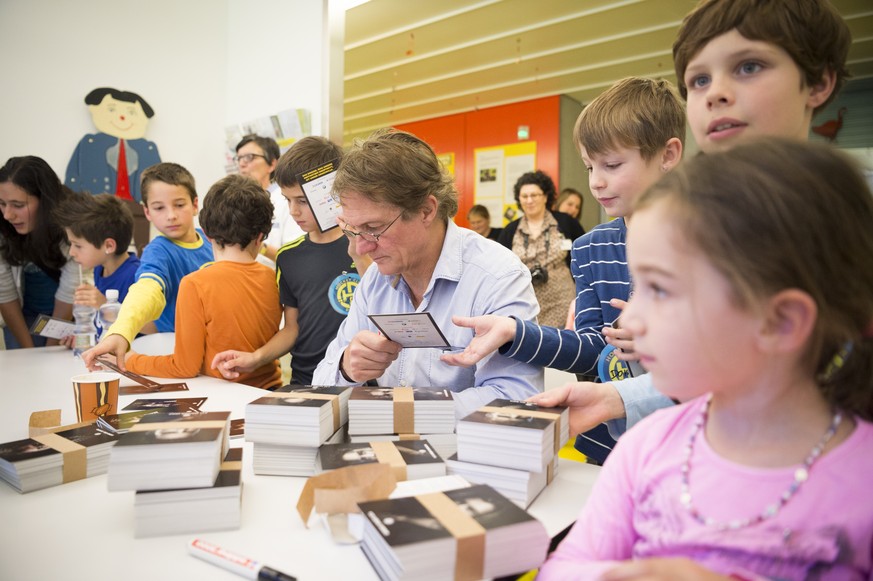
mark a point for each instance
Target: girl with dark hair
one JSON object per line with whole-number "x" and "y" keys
{"x": 37, "y": 275}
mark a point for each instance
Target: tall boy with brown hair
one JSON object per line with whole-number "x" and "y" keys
{"x": 170, "y": 203}
{"x": 317, "y": 276}
{"x": 747, "y": 69}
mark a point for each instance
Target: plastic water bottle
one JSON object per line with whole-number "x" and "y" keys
{"x": 85, "y": 332}
{"x": 108, "y": 311}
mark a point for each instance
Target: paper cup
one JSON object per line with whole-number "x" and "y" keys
{"x": 96, "y": 395}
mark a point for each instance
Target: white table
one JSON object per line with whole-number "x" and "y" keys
{"x": 80, "y": 531}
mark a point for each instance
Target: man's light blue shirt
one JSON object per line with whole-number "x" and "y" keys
{"x": 473, "y": 276}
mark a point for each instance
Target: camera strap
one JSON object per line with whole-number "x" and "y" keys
{"x": 547, "y": 234}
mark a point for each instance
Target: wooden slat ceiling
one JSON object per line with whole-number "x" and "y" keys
{"x": 407, "y": 60}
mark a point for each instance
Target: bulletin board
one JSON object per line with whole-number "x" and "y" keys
{"x": 496, "y": 171}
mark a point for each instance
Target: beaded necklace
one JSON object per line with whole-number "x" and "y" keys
{"x": 800, "y": 476}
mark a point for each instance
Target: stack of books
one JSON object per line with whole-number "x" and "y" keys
{"x": 190, "y": 510}
{"x": 280, "y": 460}
{"x": 513, "y": 434}
{"x": 421, "y": 537}
{"x": 512, "y": 446}
{"x": 400, "y": 413}
{"x": 519, "y": 486}
{"x": 288, "y": 425}
{"x": 410, "y": 459}
{"x": 63, "y": 455}
{"x": 170, "y": 450}
{"x": 401, "y": 410}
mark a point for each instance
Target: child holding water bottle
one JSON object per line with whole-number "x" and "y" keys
{"x": 99, "y": 229}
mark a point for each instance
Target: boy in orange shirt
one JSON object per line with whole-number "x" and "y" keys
{"x": 232, "y": 303}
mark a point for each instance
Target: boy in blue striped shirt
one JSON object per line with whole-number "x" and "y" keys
{"x": 627, "y": 138}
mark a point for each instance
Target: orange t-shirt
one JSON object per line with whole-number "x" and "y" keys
{"x": 224, "y": 305}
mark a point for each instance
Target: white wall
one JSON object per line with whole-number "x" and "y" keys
{"x": 200, "y": 64}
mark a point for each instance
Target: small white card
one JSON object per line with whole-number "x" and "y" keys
{"x": 411, "y": 330}
{"x": 53, "y": 328}
{"x": 316, "y": 185}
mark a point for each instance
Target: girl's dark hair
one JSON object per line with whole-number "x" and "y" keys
{"x": 42, "y": 246}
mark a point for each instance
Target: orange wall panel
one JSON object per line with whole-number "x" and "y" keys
{"x": 463, "y": 133}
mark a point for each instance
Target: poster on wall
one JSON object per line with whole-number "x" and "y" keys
{"x": 448, "y": 162}
{"x": 496, "y": 171}
{"x": 285, "y": 127}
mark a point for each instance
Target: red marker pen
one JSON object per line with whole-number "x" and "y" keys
{"x": 235, "y": 563}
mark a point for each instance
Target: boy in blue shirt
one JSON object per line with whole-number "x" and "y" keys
{"x": 627, "y": 137}
{"x": 170, "y": 203}
{"x": 99, "y": 229}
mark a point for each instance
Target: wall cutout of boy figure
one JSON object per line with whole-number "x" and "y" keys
{"x": 112, "y": 160}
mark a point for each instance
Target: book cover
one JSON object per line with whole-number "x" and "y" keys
{"x": 412, "y": 452}
{"x": 121, "y": 423}
{"x": 184, "y": 404}
{"x": 404, "y": 521}
{"x": 177, "y": 428}
{"x": 169, "y": 436}
{"x": 22, "y": 450}
{"x": 90, "y": 435}
{"x": 327, "y": 389}
{"x": 515, "y": 414}
{"x": 290, "y": 401}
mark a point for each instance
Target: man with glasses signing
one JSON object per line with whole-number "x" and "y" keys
{"x": 397, "y": 204}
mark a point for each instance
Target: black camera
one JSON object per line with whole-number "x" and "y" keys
{"x": 539, "y": 275}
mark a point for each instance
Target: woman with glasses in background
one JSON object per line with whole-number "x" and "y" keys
{"x": 257, "y": 157}
{"x": 542, "y": 239}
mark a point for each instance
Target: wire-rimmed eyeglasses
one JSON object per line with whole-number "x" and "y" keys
{"x": 371, "y": 236}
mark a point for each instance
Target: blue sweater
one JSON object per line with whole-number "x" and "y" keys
{"x": 599, "y": 267}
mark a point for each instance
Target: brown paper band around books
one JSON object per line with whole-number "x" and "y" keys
{"x": 49, "y": 421}
{"x": 531, "y": 413}
{"x": 550, "y": 472}
{"x": 334, "y": 401}
{"x": 469, "y": 534}
{"x": 402, "y": 437}
{"x": 232, "y": 465}
{"x": 386, "y": 453}
{"x": 140, "y": 427}
{"x": 404, "y": 410}
{"x": 75, "y": 456}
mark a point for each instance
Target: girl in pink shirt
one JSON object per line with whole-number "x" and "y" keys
{"x": 753, "y": 303}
